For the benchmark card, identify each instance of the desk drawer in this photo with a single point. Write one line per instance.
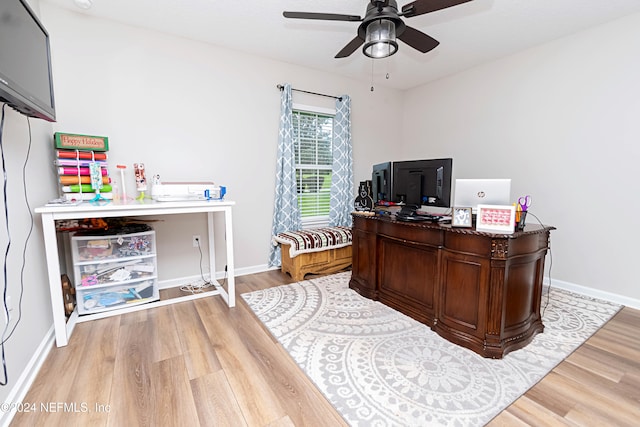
(412, 233)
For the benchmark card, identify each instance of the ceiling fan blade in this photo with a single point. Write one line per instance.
(350, 47)
(420, 7)
(418, 40)
(322, 16)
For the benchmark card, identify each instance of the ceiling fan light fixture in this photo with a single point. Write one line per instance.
(380, 39)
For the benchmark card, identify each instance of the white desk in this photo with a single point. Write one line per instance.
(50, 214)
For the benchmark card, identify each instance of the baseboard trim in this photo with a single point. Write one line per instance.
(584, 290)
(244, 271)
(595, 293)
(28, 376)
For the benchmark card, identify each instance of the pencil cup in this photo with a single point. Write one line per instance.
(520, 223)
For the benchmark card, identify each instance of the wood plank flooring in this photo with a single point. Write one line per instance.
(597, 385)
(201, 363)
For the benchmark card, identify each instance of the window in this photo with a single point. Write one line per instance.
(313, 137)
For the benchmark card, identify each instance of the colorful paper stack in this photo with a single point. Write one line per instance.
(74, 155)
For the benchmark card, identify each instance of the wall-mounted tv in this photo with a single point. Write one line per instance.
(381, 182)
(423, 182)
(26, 82)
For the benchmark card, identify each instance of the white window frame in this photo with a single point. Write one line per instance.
(321, 220)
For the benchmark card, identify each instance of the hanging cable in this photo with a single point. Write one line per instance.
(546, 304)
(198, 286)
(28, 238)
(5, 335)
(6, 253)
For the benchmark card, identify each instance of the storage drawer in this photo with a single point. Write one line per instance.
(96, 248)
(115, 272)
(97, 299)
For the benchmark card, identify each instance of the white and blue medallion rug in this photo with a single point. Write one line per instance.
(379, 367)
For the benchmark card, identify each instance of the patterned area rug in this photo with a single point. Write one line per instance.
(379, 367)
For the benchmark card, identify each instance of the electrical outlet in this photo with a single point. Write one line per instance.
(196, 241)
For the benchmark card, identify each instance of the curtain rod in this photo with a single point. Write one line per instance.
(312, 93)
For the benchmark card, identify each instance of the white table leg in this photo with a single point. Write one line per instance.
(231, 278)
(212, 247)
(55, 285)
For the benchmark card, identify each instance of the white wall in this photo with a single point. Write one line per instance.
(563, 121)
(192, 111)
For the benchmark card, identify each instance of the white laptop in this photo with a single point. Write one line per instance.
(474, 192)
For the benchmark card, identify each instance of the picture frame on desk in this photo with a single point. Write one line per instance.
(462, 217)
(499, 219)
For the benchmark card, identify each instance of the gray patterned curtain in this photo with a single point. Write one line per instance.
(341, 202)
(286, 216)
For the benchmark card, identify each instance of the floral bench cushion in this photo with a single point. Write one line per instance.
(314, 239)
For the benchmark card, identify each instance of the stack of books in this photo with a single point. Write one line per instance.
(74, 156)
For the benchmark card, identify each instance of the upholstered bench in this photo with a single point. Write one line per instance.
(316, 250)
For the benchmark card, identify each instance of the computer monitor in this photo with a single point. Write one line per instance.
(474, 192)
(423, 182)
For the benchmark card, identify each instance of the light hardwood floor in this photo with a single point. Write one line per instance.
(201, 363)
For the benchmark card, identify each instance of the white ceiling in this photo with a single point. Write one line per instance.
(469, 34)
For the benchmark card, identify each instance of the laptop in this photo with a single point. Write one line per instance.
(474, 192)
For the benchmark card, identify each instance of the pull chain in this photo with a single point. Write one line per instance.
(372, 74)
(387, 76)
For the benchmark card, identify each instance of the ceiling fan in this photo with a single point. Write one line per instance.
(381, 26)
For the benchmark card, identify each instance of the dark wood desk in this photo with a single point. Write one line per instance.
(476, 289)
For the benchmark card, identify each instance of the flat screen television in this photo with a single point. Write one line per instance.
(381, 182)
(423, 182)
(26, 82)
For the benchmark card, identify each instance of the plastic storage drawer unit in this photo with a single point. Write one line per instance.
(114, 271)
